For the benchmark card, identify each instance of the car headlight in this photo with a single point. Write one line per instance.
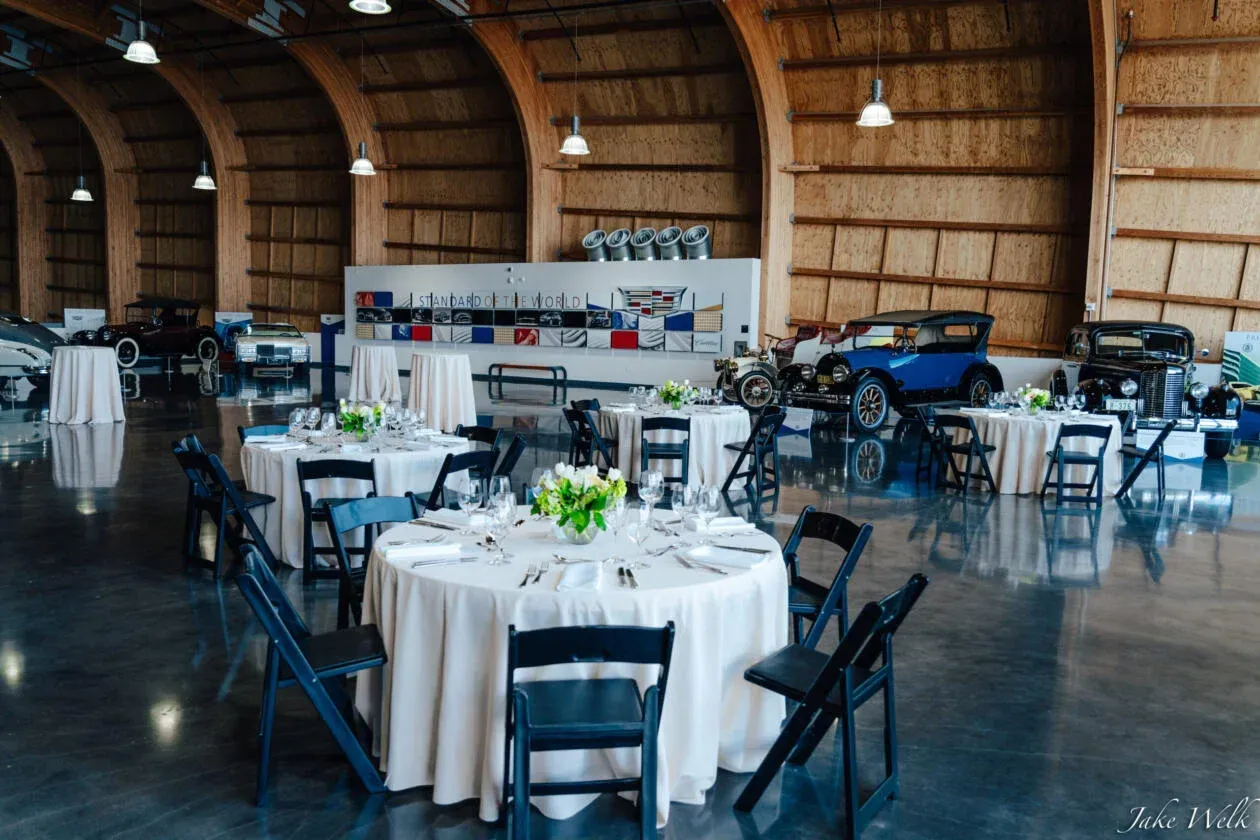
(1128, 387)
(840, 373)
(1198, 390)
(807, 371)
(106, 334)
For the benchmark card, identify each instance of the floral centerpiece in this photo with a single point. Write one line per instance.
(675, 395)
(1033, 399)
(360, 419)
(578, 497)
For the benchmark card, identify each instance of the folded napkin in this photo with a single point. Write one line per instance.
(714, 556)
(402, 549)
(620, 406)
(458, 518)
(448, 439)
(582, 577)
(268, 439)
(352, 448)
(277, 447)
(721, 523)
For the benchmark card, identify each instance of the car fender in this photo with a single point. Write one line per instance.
(988, 369)
(850, 385)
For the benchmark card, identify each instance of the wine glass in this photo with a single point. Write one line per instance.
(651, 489)
(313, 416)
(329, 423)
(470, 498)
(297, 418)
(615, 519)
(638, 528)
(683, 500)
(501, 488)
(498, 523)
(708, 505)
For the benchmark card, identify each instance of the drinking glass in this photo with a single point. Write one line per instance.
(498, 523)
(501, 488)
(651, 489)
(313, 416)
(615, 519)
(329, 423)
(708, 505)
(470, 497)
(638, 528)
(297, 418)
(683, 500)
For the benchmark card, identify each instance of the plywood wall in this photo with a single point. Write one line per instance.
(1187, 196)
(8, 238)
(974, 198)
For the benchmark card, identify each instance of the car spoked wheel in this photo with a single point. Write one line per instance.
(127, 352)
(870, 405)
(868, 460)
(756, 390)
(980, 391)
(207, 349)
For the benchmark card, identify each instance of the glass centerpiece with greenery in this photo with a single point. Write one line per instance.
(675, 395)
(578, 497)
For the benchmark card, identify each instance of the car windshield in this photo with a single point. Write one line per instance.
(1137, 344)
(871, 337)
(274, 330)
(168, 315)
(10, 319)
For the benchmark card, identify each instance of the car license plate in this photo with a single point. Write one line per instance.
(822, 379)
(1120, 405)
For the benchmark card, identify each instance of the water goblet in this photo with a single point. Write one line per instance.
(297, 418)
(638, 528)
(498, 523)
(683, 500)
(501, 488)
(651, 488)
(708, 505)
(313, 416)
(615, 519)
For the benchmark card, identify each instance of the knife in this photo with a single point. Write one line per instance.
(692, 564)
(634, 584)
(426, 523)
(742, 548)
(621, 575)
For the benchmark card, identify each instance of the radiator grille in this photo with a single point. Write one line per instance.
(1162, 392)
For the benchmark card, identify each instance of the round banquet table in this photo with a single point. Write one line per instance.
(374, 374)
(442, 386)
(437, 707)
(85, 387)
(712, 427)
(271, 467)
(1019, 461)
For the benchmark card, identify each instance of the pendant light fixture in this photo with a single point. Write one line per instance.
(80, 185)
(141, 51)
(362, 165)
(575, 143)
(875, 113)
(80, 190)
(370, 7)
(203, 181)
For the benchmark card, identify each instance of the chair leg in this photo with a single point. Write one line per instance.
(890, 737)
(647, 779)
(519, 816)
(1160, 473)
(1045, 482)
(267, 723)
(779, 751)
(852, 795)
(221, 529)
(1058, 490)
(988, 474)
(308, 551)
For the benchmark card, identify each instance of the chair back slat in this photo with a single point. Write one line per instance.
(512, 456)
(604, 643)
(1069, 430)
(478, 464)
(768, 425)
(584, 405)
(269, 588)
(894, 608)
(336, 468)
(374, 511)
(487, 435)
(257, 431)
(667, 424)
(954, 421)
(832, 527)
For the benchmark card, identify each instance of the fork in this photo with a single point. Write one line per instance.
(542, 570)
(530, 572)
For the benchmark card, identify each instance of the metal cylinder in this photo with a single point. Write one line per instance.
(697, 244)
(669, 243)
(618, 243)
(596, 246)
(644, 244)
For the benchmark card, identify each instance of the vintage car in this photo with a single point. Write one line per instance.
(25, 349)
(156, 327)
(272, 345)
(1147, 368)
(872, 365)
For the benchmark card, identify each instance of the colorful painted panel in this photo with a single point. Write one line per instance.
(625, 340)
(402, 332)
(679, 342)
(367, 331)
(652, 340)
(422, 333)
(383, 332)
(464, 335)
(573, 338)
(708, 320)
(482, 335)
(526, 337)
(549, 338)
(504, 335)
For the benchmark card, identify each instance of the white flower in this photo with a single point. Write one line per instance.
(614, 475)
(343, 402)
(365, 411)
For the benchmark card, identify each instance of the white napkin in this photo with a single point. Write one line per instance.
(584, 577)
(277, 447)
(458, 518)
(620, 407)
(720, 523)
(714, 556)
(351, 448)
(405, 550)
(448, 439)
(268, 439)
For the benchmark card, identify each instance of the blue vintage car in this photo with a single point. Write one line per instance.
(896, 360)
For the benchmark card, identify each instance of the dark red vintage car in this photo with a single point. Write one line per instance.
(156, 327)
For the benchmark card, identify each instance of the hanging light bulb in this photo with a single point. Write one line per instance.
(370, 7)
(141, 51)
(204, 181)
(575, 143)
(361, 165)
(81, 191)
(875, 113)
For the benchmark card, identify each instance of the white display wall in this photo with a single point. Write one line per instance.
(615, 322)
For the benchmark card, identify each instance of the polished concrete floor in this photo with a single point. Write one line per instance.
(1045, 690)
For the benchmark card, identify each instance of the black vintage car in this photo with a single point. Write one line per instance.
(1147, 368)
(156, 326)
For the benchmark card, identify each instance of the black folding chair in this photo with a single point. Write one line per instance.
(761, 446)
(368, 514)
(970, 451)
(1065, 458)
(584, 405)
(478, 465)
(652, 450)
(212, 491)
(487, 435)
(580, 443)
(582, 714)
(1063, 543)
(316, 510)
(927, 453)
(807, 599)
(1154, 452)
(513, 455)
(258, 431)
(295, 656)
(831, 688)
(599, 443)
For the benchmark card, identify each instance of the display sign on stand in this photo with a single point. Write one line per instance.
(229, 325)
(77, 320)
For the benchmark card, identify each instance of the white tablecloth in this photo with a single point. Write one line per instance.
(87, 455)
(712, 427)
(442, 385)
(85, 386)
(374, 375)
(274, 472)
(1019, 462)
(437, 708)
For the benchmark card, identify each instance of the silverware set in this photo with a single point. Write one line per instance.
(625, 577)
(535, 571)
(696, 564)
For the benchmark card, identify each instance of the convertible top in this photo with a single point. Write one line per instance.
(911, 317)
(1100, 326)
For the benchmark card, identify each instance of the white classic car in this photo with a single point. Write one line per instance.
(272, 345)
(26, 349)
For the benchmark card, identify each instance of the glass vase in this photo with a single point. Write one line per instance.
(568, 533)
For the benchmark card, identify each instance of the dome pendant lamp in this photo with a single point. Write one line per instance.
(204, 181)
(875, 113)
(141, 51)
(80, 185)
(575, 143)
(370, 7)
(80, 190)
(361, 164)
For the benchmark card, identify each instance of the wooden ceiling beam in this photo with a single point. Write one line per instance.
(556, 33)
(929, 57)
(850, 6)
(629, 73)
